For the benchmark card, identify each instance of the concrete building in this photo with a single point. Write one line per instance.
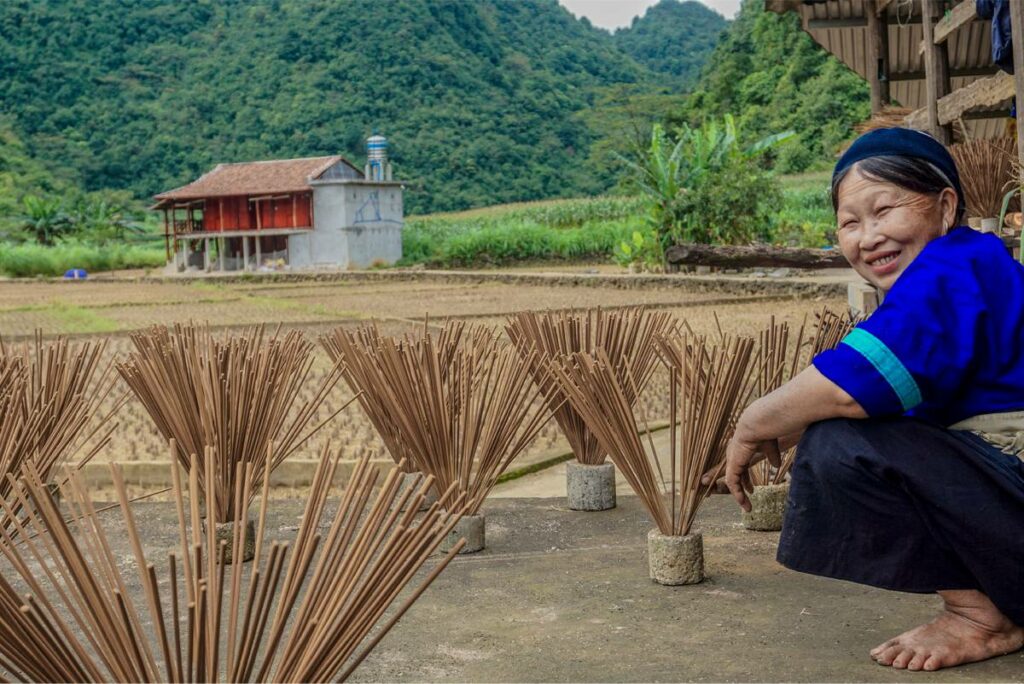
(318, 212)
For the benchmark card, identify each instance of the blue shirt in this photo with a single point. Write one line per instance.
(948, 341)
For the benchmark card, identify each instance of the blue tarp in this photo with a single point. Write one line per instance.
(75, 274)
(1002, 33)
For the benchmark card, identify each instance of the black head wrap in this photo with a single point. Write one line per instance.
(902, 142)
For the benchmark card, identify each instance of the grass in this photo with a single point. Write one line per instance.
(27, 260)
(806, 218)
(77, 319)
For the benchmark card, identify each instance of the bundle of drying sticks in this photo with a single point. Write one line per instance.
(235, 397)
(626, 337)
(51, 394)
(301, 611)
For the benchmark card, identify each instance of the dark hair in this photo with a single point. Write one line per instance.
(909, 173)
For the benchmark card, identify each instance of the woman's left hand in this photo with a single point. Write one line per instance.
(740, 454)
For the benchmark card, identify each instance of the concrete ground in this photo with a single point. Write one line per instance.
(564, 596)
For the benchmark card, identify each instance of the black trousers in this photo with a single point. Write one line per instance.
(906, 505)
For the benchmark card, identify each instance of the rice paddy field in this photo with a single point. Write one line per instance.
(112, 309)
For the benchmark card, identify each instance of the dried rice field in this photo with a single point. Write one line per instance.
(113, 309)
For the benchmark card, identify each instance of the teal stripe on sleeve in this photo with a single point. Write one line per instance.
(886, 363)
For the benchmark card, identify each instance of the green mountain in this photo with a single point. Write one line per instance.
(477, 98)
(773, 77)
(673, 38)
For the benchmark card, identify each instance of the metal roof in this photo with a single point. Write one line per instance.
(969, 49)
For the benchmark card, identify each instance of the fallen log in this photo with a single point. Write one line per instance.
(752, 256)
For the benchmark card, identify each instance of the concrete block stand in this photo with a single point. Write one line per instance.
(415, 480)
(590, 487)
(767, 507)
(675, 560)
(226, 532)
(470, 527)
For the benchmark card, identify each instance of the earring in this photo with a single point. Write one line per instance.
(945, 226)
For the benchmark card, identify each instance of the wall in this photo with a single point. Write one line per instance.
(356, 225)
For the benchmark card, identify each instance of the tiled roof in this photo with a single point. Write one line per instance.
(255, 178)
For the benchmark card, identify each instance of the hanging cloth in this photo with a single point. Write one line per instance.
(1002, 33)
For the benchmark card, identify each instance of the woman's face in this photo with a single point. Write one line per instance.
(882, 227)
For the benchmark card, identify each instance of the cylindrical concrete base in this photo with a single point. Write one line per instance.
(470, 527)
(675, 560)
(590, 487)
(414, 480)
(226, 532)
(767, 507)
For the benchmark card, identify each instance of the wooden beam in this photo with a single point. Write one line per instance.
(966, 72)
(985, 92)
(1017, 22)
(858, 22)
(878, 64)
(962, 14)
(882, 6)
(936, 67)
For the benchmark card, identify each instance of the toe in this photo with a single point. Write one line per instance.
(889, 654)
(902, 659)
(882, 647)
(917, 662)
(932, 663)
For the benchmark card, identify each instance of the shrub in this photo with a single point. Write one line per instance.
(28, 260)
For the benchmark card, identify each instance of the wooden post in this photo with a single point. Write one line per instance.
(220, 254)
(259, 258)
(167, 236)
(206, 254)
(878, 65)
(295, 214)
(1017, 21)
(936, 70)
(259, 223)
(245, 252)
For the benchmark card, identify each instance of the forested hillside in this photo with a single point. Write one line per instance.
(673, 38)
(484, 102)
(773, 77)
(476, 97)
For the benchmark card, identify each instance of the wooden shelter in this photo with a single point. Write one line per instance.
(931, 56)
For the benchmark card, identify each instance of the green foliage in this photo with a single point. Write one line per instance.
(673, 38)
(478, 99)
(44, 219)
(643, 249)
(580, 229)
(774, 77)
(705, 186)
(27, 260)
(806, 218)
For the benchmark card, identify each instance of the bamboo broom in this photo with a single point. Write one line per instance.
(985, 167)
(309, 610)
(627, 338)
(234, 398)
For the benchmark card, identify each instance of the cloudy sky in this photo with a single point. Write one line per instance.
(611, 14)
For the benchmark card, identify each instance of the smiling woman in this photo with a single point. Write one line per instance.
(910, 471)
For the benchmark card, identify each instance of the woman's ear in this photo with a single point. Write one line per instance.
(948, 205)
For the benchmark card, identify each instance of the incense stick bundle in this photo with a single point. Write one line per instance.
(51, 395)
(627, 338)
(236, 395)
(359, 354)
(985, 167)
(456, 405)
(780, 357)
(706, 385)
(304, 611)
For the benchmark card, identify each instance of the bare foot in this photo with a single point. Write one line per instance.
(969, 629)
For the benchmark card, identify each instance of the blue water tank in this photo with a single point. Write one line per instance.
(376, 156)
